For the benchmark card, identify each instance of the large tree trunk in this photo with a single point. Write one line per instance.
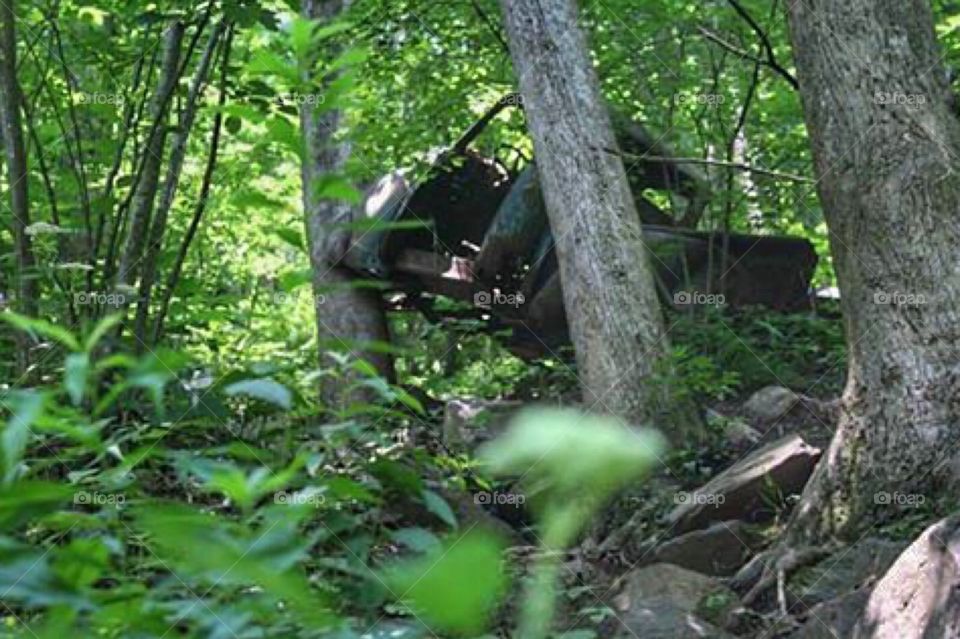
(349, 318)
(885, 148)
(608, 288)
(17, 178)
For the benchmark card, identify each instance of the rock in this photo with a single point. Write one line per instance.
(718, 550)
(660, 619)
(470, 513)
(736, 433)
(771, 403)
(849, 569)
(834, 619)
(919, 596)
(777, 411)
(467, 423)
(739, 491)
(663, 600)
(685, 589)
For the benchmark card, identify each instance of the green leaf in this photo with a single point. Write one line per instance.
(42, 328)
(454, 589)
(267, 63)
(27, 407)
(215, 551)
(101, 329)
(416, 539)
(573, 451)
(264, 389)
(292, 237)
(26, 500)
(439, 507)
(75, 372)
(336, 187)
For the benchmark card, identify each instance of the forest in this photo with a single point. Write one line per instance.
(395, 319)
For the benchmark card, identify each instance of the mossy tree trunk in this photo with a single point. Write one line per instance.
(615, 319)
(886, 148)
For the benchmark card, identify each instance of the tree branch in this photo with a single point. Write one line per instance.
(765, 41)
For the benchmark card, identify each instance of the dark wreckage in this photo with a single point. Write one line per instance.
(476, 230)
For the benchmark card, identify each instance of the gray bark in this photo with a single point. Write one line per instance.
(348, 318)
(206, 184)
(608, 288)
(16, 158)
(178, 153)
(885, 149)
(146, 188)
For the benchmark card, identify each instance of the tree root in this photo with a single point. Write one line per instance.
(773, 567)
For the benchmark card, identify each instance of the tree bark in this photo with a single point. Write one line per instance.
(178, 154)
(609, 294)
(206, 184)
(17, 178)
(149, 178)
(348, 317)
(885, 149)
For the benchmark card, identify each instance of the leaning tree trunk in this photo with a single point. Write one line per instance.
(17, 177)
(608, 288)
(885, 149)
(349, 318)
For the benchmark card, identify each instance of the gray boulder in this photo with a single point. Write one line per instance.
(919, 596)
(664, 600)
(739, 492)
(718, 550)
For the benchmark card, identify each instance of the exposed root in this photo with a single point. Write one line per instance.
(773, 567)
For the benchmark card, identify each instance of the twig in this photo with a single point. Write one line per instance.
(739, 166)
(765, 41)
(490, 25)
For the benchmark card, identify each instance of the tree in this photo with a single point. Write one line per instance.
(149, 178)
(609, 294)
(348, 316)
(886, 156)
(17, 178)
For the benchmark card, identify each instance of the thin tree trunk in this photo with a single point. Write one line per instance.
(349, 317)
(178, 153)
(885, 149)
(608, 288)
(173, 278)
(147, 184)
(10, 120)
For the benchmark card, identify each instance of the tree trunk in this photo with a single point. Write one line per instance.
(348, 318)
(149, 178)
(206, 184)
(608, 288)
(17, 178)
(885, 148)
(178, 154)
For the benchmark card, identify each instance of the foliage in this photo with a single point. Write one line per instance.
(191, 483)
